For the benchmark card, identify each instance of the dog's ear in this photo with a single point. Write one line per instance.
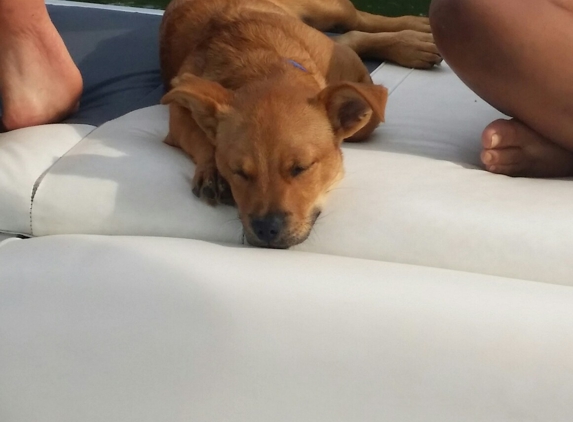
(207, 100)
(351, 106)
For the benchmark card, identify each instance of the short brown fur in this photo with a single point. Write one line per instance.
(261, 102)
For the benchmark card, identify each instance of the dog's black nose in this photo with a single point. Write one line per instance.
(268, 227)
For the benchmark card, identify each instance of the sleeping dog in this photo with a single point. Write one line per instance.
(261, 100)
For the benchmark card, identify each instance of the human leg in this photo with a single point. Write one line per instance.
(515, 54)
(39, 82)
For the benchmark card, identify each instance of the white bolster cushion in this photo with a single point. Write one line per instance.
(25, 155)
(122, 179)
(114, 329)
(415, 193)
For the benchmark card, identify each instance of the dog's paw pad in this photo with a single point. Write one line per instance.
(225, 193)
(197, 191)
(208, 191)
(210, 187)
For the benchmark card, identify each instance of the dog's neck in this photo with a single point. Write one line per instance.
(258, 66)
(246, 51)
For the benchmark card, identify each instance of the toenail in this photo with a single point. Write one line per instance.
(487, 158)
(495, 140)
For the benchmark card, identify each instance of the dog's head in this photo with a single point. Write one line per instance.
(279, 146)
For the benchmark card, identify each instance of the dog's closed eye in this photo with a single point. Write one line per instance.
(298, 169)
(241, 173)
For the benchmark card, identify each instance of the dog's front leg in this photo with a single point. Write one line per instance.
(184, 133)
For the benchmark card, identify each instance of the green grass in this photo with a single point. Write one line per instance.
(388, 7)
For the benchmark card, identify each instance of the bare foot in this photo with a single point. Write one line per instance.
(513, 149)
(39, 82)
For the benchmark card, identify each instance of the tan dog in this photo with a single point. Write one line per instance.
(261, 100)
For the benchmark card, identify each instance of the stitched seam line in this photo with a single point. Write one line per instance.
(45, 172)
(400, 82)
(34, 190)
(379, 68)
(375, 71)
(12, 233)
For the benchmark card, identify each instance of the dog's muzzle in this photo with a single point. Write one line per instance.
(269, 230)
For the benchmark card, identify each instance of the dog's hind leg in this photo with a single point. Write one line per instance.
(406, 48)
(406, 40)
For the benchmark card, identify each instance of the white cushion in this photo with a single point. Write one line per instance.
(5, 237)
(122, 179)
(415, 193)
(25, 155)
(115, 329)
(416, 210)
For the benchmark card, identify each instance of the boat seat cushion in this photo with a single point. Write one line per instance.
(155, 329)
(414, 193)
(25, 157)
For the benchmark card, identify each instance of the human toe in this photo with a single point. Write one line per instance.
(499, 134)
(506, 156)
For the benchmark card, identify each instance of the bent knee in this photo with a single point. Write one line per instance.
(452, 19)
(460, 26)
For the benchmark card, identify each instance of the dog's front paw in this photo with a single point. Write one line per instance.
(225, 195)
(211, 187)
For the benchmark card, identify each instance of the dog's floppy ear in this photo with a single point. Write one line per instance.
(207, 100)
(351, 106)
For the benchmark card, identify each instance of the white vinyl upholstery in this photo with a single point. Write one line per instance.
(353, 324)
(122, 179)
(4, 237)
(112, 328)
(414, 193)
(428, 291)
(25, 155)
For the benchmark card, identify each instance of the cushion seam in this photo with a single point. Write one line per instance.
(377, 69)
(395, 87)
(38, 181)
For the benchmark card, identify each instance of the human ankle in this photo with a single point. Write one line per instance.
(22, 19)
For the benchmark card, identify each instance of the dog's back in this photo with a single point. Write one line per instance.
(256, 106)
(231, 41)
